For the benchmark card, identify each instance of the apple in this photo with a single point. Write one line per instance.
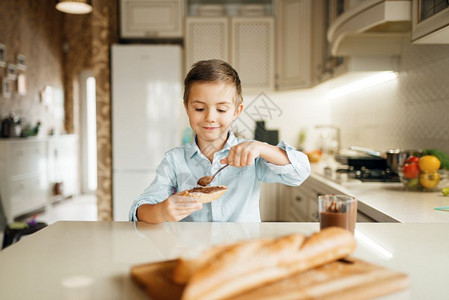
(410, 170)
(429, 180)
(412, 159)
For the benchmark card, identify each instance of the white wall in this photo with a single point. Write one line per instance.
(290, 113)
(411, 112)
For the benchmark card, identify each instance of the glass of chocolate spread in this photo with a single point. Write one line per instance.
(337, 210)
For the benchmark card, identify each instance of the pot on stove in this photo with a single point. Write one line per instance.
(393, 158)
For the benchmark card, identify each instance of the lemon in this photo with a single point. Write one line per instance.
(429, 163)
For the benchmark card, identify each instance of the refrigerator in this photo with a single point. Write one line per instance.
(147, 116)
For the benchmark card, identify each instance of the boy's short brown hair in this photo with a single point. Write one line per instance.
(214, 70)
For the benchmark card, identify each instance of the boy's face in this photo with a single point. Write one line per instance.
(211, 110)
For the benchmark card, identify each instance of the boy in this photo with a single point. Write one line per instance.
(213, 100)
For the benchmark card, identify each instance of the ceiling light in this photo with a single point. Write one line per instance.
(360, 84)
(77, 7)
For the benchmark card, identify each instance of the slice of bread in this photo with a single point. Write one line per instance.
(206, 193)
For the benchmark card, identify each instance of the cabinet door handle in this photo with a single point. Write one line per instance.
(298, 198)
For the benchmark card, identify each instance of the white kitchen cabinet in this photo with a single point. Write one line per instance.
(30, 167)
(282, 204)
(292, 205)
(331, 66)
(252, 52)
(303, 200)
(62, 162)
(247, 43)
(206, 38)
(319, 44)
(314, 189)
(23, 176)
(293, 43)
(300, 204)
(430, 22)
(269, 195)
(303, 56)
(298, 207)
(151, 18)
(323, 66)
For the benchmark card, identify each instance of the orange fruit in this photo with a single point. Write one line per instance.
(314, 156)
(429, 163)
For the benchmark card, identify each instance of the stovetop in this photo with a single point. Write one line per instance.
(371, 175)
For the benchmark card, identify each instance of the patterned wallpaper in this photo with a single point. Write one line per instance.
(77, 53)
(103, 35)
(32, 29)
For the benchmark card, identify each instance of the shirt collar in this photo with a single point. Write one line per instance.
(230, 142)
(194, 149)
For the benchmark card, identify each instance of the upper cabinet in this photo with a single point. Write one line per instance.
(343, 49)
(151, 18)
(293, 47)
(242, 35)
(252, 52)
(206, 38)
(430, 21)
(288, 44)
(322, 64)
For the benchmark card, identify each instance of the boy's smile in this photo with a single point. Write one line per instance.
(211, 110)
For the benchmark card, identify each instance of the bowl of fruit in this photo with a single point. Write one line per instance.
(423, 171)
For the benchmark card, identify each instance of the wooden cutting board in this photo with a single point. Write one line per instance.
(343, 279)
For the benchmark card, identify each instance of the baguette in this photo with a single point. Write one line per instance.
(186, 267)
(206, 194)
(247, 265)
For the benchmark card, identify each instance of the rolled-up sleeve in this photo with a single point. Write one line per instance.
(159, 190)
(292, 174)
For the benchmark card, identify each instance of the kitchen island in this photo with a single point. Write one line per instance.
(92, 260)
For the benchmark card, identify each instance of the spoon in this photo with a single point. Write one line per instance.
(442, 208)
(203, 181)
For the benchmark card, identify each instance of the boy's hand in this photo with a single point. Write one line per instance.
(177, 207)
(244, 154)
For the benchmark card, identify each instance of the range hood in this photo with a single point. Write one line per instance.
(372, 27)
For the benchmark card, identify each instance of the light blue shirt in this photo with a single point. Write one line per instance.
(183, 166)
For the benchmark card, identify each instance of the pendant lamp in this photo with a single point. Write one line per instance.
(77, 7)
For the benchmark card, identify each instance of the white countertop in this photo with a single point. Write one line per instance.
(390, 202)
(92, 260)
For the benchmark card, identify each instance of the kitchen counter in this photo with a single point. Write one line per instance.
(92, 260)
(389, 202)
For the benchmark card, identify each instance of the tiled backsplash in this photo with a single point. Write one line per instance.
(410, 112)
